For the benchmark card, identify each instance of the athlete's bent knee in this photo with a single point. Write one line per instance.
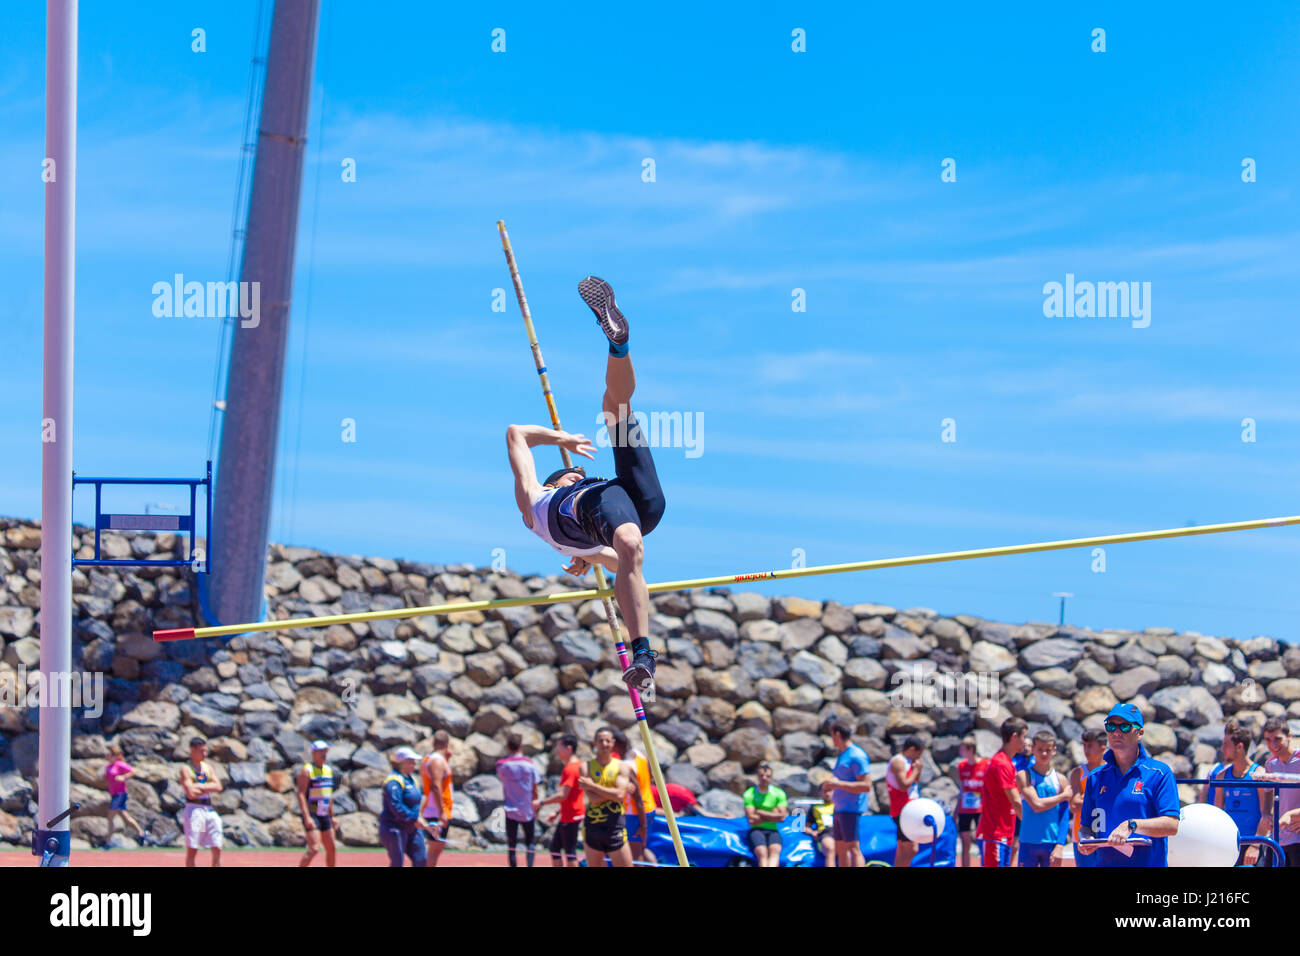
(628, 543)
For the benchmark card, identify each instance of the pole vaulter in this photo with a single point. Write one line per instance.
(611, 616)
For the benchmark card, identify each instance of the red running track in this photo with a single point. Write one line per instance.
(241, 857)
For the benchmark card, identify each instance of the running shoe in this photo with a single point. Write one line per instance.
(600, 297)
(640, 676)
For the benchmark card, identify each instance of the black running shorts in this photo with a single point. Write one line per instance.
(606, 836)
(633, 496)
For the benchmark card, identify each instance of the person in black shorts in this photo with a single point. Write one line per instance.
(316, 785)
(598, 519)
(605, 780)
(570, 798)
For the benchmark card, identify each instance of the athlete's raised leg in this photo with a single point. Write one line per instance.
(620, 383)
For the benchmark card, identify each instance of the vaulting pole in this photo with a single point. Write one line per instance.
(693, 584)
(637, 708)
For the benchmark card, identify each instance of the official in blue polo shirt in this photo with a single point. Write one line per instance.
(1130, 794)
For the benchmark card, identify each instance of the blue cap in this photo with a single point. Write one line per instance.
(1126, 712)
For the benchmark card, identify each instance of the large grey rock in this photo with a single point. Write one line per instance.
(1134, 654)
(1217, 678)
(1098, 699)
(1286, 690)
(683, 733)
(445, 713)
(540, 681)
(951, 635)
(1000, 634)
(249, 773)
(16, 621)
(685, 775)
(577, 647)
(806, 667)
(1046, 707)
(989, 658)
(23, 653)
(504, 693)
(209, 720)
(1193, 706)
(786, 720)
(152, 713)
(707, 625)
(1136, 680)
(899, 644)
(832, 649)
(559, 618)
(1053, 652)
(748, 746)
(721, 803)
(801, 748)
(486, 792)
(263, 804)
(759, 660)
(1173, 669)
(1213, 649)
(1055, 680)
(715, 716)
(749, 606)
(800, 634)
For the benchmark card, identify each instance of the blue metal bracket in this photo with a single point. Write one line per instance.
(54, 847)
(181, 524)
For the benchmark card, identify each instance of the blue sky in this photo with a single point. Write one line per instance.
(774, 171)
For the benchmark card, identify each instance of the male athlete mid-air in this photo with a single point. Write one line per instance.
(598, 519)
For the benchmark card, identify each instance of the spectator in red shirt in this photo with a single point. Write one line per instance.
(970, 775)
(1001, 798)
(571, 800)
(681, 798)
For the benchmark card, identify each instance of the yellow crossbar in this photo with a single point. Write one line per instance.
(691, 584)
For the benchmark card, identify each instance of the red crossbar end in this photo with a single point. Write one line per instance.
(174, 634)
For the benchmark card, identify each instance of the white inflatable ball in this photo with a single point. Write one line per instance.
(1206, 836)
(912, 819)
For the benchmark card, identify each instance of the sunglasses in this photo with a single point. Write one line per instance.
(1124, 728)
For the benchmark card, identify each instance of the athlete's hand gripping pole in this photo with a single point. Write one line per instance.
(610, 615)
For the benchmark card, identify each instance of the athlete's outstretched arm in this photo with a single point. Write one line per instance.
(519, 439)
(523, 466)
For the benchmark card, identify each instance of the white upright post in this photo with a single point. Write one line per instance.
(60, 178)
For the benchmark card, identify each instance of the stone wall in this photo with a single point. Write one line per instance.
(743, 677)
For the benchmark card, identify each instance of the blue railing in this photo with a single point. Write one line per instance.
(180, 524)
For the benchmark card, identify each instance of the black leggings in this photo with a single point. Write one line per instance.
(633, 496)
(512, 832)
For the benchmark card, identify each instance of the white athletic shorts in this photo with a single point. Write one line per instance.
(202, 827)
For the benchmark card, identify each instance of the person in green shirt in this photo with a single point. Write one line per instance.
(765, 808)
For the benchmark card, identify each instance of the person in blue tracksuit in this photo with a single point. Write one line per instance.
(1130, 794)
(401, 830)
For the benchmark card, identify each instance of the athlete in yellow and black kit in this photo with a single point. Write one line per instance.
(605, 780)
